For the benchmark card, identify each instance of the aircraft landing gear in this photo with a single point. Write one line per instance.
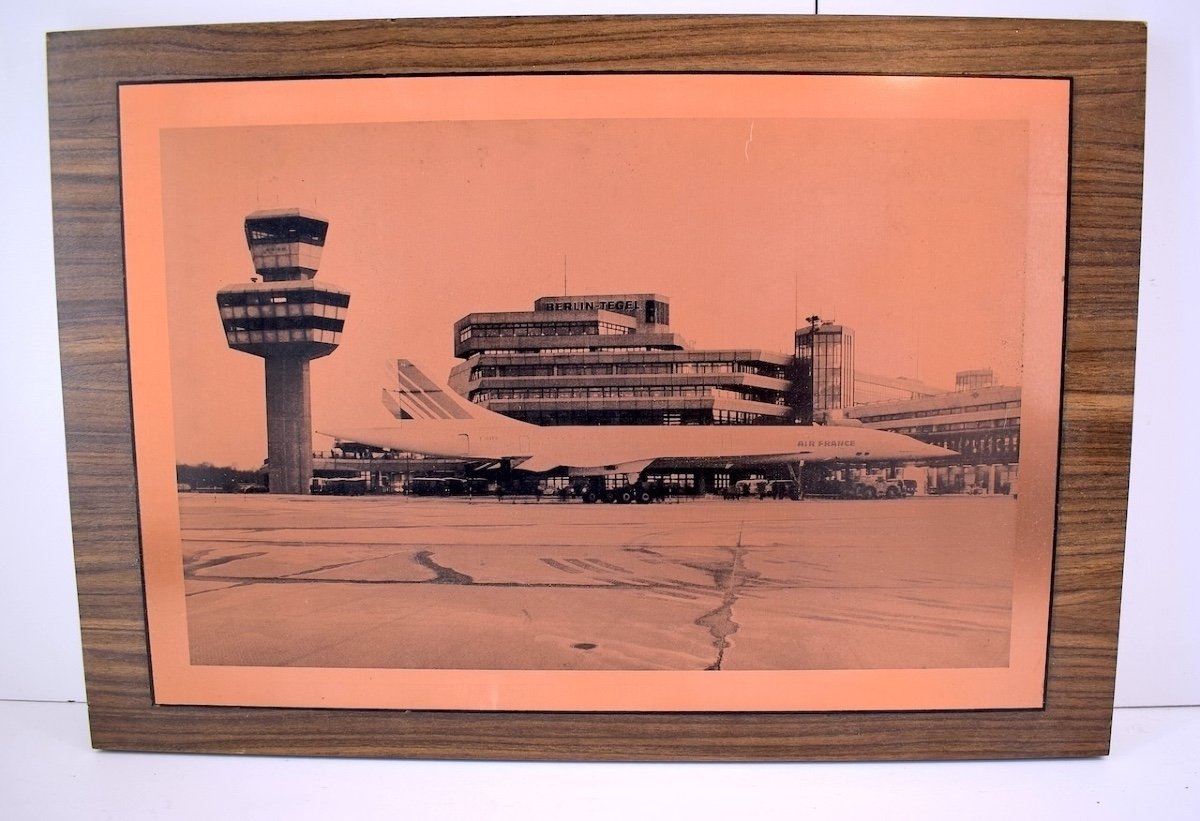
(626, 495)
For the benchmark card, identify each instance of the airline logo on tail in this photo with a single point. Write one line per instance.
(418, 397)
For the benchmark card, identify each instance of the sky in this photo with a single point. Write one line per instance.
(910, 229)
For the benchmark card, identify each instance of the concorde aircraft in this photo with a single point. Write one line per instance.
(435, 421)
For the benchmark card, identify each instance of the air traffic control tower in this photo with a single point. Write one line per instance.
(288, 319)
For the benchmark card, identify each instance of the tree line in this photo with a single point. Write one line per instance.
(214, 477)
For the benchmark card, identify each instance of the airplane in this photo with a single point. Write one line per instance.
(435, 421)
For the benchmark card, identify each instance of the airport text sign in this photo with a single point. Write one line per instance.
(621, 306)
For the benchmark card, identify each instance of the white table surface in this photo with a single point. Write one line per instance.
(48, 770)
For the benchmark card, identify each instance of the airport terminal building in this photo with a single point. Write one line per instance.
(614, 359)
(979, 419)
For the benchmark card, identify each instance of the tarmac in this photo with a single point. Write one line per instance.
(432, 583)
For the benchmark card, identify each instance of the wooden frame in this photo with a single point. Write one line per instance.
(1106, 65)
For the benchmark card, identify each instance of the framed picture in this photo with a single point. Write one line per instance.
(541, 389)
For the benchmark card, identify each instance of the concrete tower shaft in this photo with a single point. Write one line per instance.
(289, 424)
(288, 320)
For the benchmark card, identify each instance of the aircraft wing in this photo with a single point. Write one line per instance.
(537, 464)
(630, 462)
(633, 457)
(728, 461)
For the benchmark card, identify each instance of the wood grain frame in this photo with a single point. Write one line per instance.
(1106, 64)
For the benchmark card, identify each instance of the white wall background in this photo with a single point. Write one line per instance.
(1159, 660)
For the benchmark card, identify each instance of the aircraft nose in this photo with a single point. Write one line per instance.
(937, 450)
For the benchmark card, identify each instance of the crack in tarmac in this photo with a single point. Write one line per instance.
(443, 575)
(190, 569)
(670, 587)
(719, 622)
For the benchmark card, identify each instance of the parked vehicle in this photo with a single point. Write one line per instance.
(783, 489)
(751, 487)
(248, 487)
(338, 486)
(878, 487)
(446, 486)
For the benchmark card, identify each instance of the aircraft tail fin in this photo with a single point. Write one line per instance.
(416, 396)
